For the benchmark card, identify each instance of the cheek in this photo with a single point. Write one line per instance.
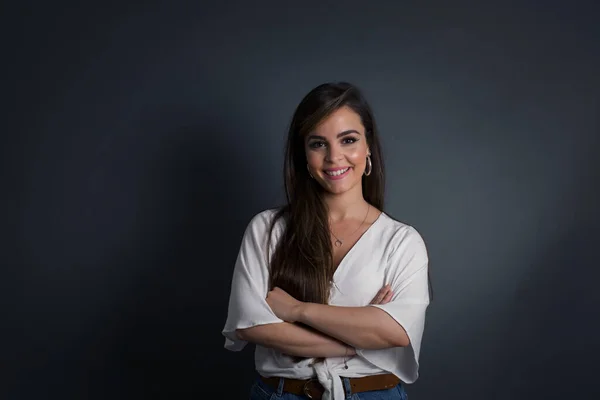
(314, 159)
(357, 156)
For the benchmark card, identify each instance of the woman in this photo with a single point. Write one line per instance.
(331, 289)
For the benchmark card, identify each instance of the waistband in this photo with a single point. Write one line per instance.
(314, 390)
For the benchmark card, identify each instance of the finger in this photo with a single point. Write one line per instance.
(388, 297)
(381, 295)
(378, 296)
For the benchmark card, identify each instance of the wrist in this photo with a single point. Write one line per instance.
(300, 313)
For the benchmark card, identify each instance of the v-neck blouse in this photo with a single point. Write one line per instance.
(348, 254)
(389, 252)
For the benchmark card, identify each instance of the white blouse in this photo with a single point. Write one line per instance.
(388, 252)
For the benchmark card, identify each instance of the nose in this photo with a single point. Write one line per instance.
(334, 153)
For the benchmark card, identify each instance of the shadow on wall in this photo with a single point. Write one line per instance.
(540, 340)
(552, 343)
(197, 200)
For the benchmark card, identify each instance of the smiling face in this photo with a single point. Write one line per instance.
(336, 152)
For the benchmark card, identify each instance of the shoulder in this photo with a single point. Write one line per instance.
(261, 222)
(402, 237)
(264, 218)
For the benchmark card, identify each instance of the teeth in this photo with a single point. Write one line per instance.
(336, 173)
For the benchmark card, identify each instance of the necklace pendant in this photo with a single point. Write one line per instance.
(338, 243)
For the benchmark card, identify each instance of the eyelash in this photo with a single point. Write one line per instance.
(314, 145)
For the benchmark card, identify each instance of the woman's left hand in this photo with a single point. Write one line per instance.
(283, 305)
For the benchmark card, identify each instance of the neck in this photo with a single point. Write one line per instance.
(347, 205)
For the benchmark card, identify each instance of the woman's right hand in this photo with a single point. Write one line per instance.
(383, 296)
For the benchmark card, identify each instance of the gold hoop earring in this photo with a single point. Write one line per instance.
(370, 165)
(308, 169)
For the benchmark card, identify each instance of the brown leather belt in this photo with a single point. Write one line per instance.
(314, 390)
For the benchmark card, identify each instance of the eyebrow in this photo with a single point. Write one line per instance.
(339, 135)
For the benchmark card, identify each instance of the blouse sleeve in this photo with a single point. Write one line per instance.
(247, 301)
(408, 266)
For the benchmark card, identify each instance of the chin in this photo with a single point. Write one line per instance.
(340, 186)
(337, 189)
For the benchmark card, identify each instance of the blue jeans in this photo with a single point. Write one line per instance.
(262, 391)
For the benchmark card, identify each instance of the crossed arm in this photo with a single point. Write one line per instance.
(317, 330)
(296, 340)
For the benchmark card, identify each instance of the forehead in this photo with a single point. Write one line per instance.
(340, 120)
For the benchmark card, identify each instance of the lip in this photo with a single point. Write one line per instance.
(336, 169)
(337, 177)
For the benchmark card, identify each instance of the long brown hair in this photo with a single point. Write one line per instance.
(302, 263)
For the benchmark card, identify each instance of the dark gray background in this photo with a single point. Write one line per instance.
(138, 141)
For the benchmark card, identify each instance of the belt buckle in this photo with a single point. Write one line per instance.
(313, 385)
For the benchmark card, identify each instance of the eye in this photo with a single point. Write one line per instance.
(316, 144)
(349, 140)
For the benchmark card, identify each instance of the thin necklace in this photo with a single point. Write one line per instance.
(338, 241)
